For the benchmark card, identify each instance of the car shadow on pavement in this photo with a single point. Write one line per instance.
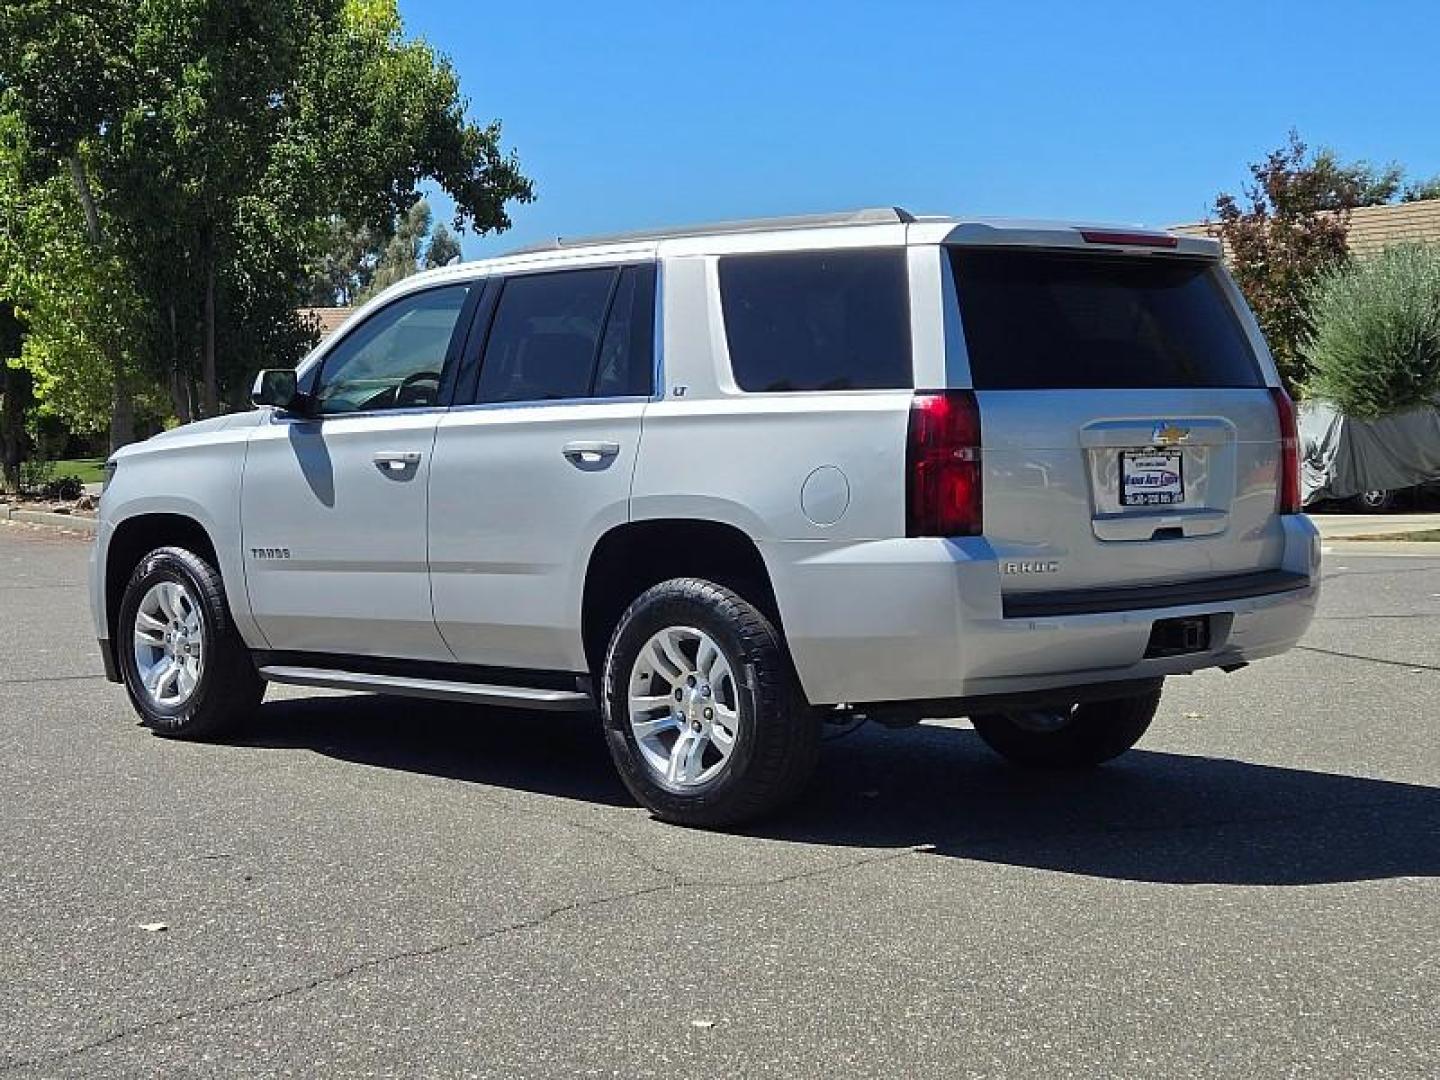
(1149, 816)
(547, 753)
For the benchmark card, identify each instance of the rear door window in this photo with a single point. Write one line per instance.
(1054, 320)
(819, 320)
(571, 334)
(545, 336)
(627, 352)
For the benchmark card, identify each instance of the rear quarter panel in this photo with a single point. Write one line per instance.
(713, 452)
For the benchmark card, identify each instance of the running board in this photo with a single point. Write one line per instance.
(513, 697)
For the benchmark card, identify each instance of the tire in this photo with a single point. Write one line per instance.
(1374, 502)
(723, 754)
(1080, 737)
(174, 600)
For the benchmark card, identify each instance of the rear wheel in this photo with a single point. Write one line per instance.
(1375, 502)
(1078, 737)
(188, 673)
(702, 715)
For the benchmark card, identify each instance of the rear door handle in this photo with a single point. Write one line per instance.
(396, 460)
(589, 453)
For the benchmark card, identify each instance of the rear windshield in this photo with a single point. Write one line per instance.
(1051, 320)
(818, 320)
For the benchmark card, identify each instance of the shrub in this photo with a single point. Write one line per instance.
(1374, 346)
(66, 488)
(35, 474)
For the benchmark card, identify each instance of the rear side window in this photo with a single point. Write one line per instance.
(822, 320)
(1052, 320)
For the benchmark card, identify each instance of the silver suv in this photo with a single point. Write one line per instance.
(730, 484)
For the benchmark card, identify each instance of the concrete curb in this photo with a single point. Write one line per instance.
(74, 522)
(1414, 548)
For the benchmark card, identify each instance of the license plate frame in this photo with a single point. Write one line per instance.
(1153, 476)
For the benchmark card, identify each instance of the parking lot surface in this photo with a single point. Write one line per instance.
(362, 886)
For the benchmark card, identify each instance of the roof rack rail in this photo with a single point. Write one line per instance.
(873, 216)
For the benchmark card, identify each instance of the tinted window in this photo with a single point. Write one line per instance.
(394, 358)
(545, 336)
(627, 355)
(1051, 320)
(831, 320)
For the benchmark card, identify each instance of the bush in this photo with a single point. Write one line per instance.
(35, 475)
(1374, 346)
(66, 488)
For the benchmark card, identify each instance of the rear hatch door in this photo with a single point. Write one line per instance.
(1129, 438)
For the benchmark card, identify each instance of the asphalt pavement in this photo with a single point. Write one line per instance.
(358, 886)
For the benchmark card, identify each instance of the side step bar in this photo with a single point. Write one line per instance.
(513, 697)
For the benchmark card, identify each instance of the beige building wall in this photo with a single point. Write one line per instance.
(1373, 228)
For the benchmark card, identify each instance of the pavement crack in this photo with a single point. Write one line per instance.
(49, 679)
(630, 849)
(672, 882)
(1412, 664)
(359, 967)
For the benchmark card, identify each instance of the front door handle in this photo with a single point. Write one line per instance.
(396, 460)
(590, 453)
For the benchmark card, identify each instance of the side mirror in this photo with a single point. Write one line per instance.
(277, 388)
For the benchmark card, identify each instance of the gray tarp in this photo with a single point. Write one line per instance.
(1343, 457)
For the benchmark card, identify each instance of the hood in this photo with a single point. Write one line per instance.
(250, 418)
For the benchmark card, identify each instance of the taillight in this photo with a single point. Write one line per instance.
(942, 464)
(1289, 452)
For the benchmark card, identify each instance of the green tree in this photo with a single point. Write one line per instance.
(1375, 345)
(1289, 230)
(73, 300)
(16, 395)
(400, 257)
(211, 142)
(345, 263)
(444, 247)
(1421, 189)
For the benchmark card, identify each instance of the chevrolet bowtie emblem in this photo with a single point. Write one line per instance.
(1170, 434)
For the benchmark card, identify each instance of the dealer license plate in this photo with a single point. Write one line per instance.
(1151, 478)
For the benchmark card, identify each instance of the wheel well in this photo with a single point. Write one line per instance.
(138, 536)
(631, 558)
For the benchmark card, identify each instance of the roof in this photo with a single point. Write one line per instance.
(326, 319)
(885, 215)
(1372, 228)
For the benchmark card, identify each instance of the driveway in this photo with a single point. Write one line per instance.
(369, 887)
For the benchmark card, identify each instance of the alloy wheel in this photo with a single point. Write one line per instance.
(169, 644)
(684, 707)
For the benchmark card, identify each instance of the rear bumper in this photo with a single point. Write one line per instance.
(910, 620)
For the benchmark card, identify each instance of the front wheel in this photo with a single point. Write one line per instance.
(703, 717)
(1080, 736)
(188, 673)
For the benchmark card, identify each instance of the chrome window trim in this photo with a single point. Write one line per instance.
(629, 399)
(279, 415)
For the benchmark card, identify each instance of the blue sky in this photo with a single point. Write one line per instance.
(630, 115)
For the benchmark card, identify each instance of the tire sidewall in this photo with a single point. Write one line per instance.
(646, 617)
(158, 566)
